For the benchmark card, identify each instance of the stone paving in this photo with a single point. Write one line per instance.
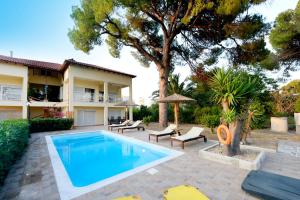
(32, 176)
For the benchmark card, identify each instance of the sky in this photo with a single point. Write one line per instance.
(36, 29)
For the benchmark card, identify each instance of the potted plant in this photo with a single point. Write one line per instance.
(279, 122)
(297, 115)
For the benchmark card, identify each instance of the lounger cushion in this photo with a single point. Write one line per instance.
(169, 129)
(184, 192)
(271, 186)
(193, 133)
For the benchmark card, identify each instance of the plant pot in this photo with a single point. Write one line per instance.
(297, 118)
(297, 122)
(279, 124)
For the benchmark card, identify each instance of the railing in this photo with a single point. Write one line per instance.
(10, 93)
(90, 97)
(84, 97)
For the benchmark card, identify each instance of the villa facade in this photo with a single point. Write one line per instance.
(88, 93)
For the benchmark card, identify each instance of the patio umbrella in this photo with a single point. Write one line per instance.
(176, 99)
(126, 104)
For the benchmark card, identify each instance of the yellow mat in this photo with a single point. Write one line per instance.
(184, 192)
(129, 198)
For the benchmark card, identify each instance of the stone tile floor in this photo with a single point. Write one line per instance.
(32, 176)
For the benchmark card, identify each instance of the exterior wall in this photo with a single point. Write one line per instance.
(99, 114)
(18, 75)
(36, 112)
(12, 112)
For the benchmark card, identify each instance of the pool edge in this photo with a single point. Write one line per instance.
(68, 191)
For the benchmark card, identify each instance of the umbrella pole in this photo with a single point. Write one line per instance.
(176, 112)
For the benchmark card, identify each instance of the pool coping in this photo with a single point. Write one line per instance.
(64, 184)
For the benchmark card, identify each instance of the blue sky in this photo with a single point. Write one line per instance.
(37, 29)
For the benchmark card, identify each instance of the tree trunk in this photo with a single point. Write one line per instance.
(235, 129)
(163, 107)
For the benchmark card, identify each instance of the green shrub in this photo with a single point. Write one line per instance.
(187, 114)
(50, 124)
(297, 106)
(208, 116)
(210, 121)
(280, 114)
(147, 120)
(259, 115)
(13, 141)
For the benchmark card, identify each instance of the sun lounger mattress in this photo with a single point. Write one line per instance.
(271, 186)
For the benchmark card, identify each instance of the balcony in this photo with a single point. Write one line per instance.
(84, 97)
(10, 93)
(44, 93)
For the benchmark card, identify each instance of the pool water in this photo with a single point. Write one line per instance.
(95, 156)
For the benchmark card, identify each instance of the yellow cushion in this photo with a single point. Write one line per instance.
(129, 198)
(184, 192)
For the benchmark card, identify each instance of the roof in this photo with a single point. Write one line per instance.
(31, 63)
(175, 98)
(74, 62)
(56, 66)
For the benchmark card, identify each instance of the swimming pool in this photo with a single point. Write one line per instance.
(86, 161)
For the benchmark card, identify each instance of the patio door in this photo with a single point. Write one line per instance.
(86, 117)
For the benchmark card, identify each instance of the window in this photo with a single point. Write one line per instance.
(10, 92)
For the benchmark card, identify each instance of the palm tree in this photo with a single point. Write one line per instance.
(175, 86)
(233, 90)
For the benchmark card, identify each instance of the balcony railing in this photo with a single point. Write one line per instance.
(10, 93)
(90, 97)
(84, 97)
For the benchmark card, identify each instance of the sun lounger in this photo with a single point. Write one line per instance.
(128, 198)
(266, 185)
(184, 192)
(167, 131)
(135, 125)
(193, 134)
(125, 123)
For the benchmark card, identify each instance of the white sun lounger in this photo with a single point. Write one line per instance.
(125, 123)
(193, 134)
(135, 125)
(170, 130)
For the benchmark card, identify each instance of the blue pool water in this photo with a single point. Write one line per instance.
(95, 156)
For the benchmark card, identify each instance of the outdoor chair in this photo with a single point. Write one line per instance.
(135, 125)
(125, 123)
(170, 130)
(194, 133)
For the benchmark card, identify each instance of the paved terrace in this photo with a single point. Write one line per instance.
(32, 176)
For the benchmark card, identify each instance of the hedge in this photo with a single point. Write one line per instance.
(13, 140)
(50, 124)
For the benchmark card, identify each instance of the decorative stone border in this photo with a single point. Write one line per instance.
(243, 164)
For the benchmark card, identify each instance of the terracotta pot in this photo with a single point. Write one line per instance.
(279, 124)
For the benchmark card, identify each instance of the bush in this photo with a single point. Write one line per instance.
(210, 121)
(208, 116)
(147, 120)
(200, 112)
(297, 106)
(259, 116)
(50, 124)
(187, 114)
(141, 112)
(13, 141)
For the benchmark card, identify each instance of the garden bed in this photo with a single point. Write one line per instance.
(250, 158)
